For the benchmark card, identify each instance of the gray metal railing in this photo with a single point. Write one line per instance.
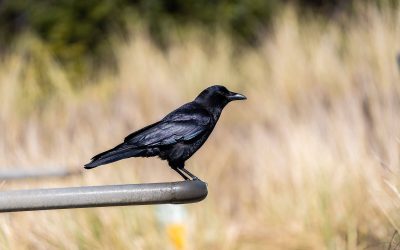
(103, 196)
(18, 173)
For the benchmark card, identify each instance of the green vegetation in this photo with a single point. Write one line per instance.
(80, 33)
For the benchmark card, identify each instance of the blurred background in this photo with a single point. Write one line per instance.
(310, 161)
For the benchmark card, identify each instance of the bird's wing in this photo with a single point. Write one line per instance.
(174, 128)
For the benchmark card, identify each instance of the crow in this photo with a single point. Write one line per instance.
(177, 136)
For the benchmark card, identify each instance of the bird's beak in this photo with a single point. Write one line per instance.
(235, 96)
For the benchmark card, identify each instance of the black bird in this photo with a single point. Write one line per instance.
(177, 136)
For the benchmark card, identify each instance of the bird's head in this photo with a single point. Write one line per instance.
(217, 96)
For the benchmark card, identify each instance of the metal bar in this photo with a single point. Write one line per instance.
(35, 173)
(398, 60)
(103, 196)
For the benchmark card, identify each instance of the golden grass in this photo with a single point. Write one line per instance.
(309, 161)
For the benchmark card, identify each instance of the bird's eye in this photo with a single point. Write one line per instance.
(221, 93)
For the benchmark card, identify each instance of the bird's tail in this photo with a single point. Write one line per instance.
(119, 152)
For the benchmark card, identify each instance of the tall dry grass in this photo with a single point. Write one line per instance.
(309, 161)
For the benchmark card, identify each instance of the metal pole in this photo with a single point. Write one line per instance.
(103, 196)
(36, 173)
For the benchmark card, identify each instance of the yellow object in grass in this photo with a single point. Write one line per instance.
(177, 234)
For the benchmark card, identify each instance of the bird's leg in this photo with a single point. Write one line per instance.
(190, 174)
(181, 174)
(179, 167)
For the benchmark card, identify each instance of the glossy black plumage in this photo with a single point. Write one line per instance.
(177, 136)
